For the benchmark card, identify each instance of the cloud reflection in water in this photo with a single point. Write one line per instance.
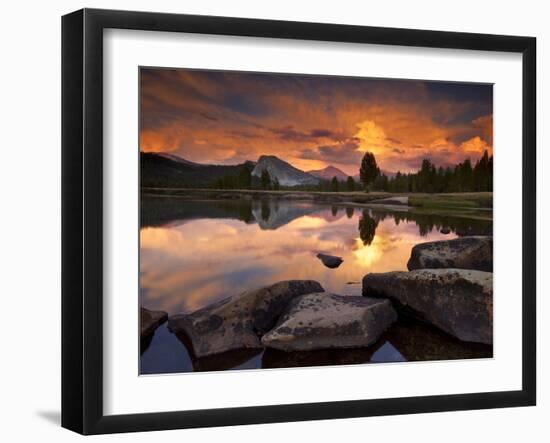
(185, 266)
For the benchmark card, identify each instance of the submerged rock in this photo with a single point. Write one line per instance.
(275, 358)
(234, 359)
(418, 341)
(462, 253)
(323, 321)
(149, 321)
(238, 322)
(457, 301)
(476, 229)
(330, 261)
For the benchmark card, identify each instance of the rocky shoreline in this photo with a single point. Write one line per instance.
(449, 286)
(253, 194)
(401, 200)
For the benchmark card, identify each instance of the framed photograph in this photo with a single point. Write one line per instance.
(269, 221)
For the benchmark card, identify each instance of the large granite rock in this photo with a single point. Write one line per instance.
(323, 321)
(458, 301)
(240, 321)
(462, 253)
(149, 321)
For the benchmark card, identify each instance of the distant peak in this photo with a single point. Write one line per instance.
(284, 172)
(329, 172)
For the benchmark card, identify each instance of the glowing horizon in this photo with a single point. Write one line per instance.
(224, 117)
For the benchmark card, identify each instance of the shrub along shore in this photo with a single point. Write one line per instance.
(459, 200)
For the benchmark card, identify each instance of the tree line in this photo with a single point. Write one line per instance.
(245, 180)
(463, 177)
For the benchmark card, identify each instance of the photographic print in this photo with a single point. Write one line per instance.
(291, 220)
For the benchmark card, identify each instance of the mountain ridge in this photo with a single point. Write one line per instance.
(164, 171)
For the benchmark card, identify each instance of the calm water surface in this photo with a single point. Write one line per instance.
(196, 252)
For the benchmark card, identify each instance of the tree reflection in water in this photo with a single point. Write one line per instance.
(266, 211)
(161, 211)
(367, 227)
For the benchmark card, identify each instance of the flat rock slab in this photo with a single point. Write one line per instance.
(330, 261)
(240, 321)
(325, 321)
(403, 201)
(462, 253)
(457, 301)
(149, 321)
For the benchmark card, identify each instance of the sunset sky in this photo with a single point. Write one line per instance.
(224, 117)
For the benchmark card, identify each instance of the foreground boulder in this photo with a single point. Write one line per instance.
(323, 321)
(238, 322)
(462, 253)
(458, 301)
(330, 261)
(149, 321)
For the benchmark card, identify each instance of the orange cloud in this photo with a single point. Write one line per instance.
(485, 124)
(475, 146)
(311, 121)
(157, 141)
(372, 138)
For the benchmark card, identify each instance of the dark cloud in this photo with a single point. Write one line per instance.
(393, 140)
(322, 133)
(247, 105)
(208, 117)
(290, 134)
(460, 91)
(243, 134)
(343, 153)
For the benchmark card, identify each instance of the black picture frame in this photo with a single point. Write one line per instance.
(82, 220)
